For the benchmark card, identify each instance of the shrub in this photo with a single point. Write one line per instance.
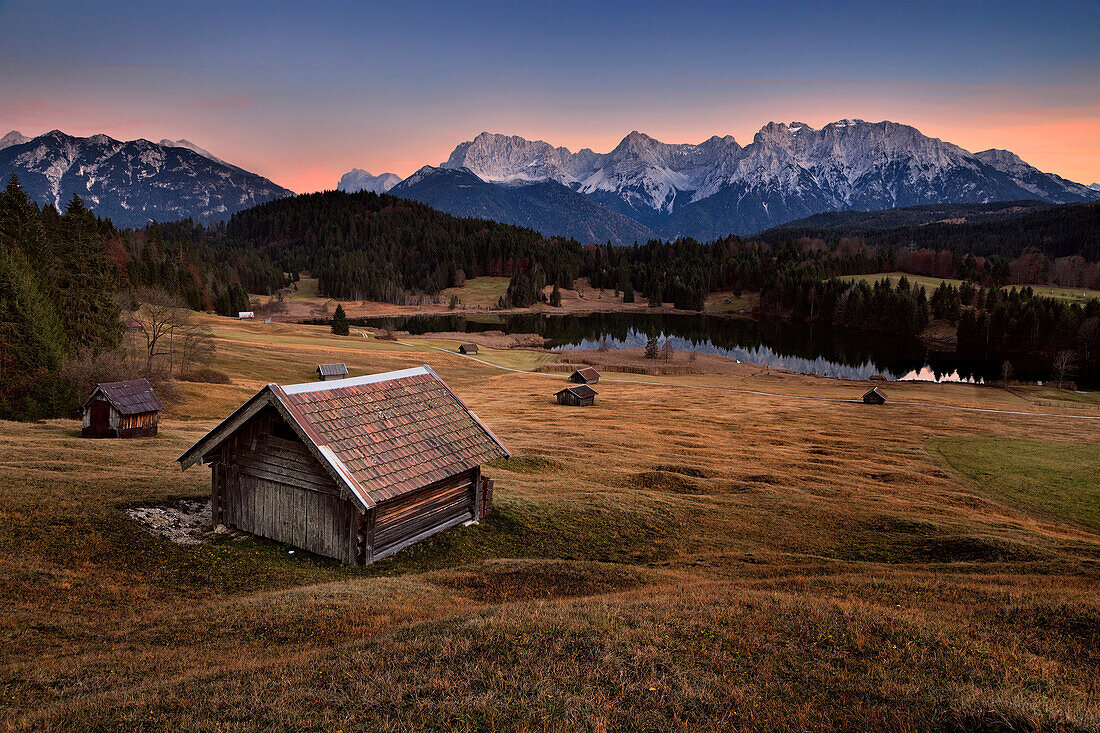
(204, 376)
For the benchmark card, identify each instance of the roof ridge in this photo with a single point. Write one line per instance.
(293, 389)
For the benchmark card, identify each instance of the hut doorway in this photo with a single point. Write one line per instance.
(101, 417)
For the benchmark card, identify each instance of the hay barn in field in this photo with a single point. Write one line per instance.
(467, 349)
(875, 397)
(121, 410)
(586, 375)
(579, 396)
(326, 372)
(354, 469)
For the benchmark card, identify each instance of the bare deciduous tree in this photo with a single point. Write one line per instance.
(170, 331)
(157, 315)
(1064, 365)
(667, 350)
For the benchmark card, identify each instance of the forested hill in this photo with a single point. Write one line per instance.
(367, 245)
(1055, 231)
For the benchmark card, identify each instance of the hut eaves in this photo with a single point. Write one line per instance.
(379, 436)
(133, 397)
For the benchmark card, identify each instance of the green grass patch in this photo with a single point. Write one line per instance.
(1056, 479)
(525, 464)
(483, 291)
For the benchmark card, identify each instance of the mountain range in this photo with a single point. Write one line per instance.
(646, 188)
(642, 189)
(132, 182)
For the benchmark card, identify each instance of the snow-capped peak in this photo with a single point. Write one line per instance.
(358, 179)
(640, 172)
(132, 182)
(13, 138)
(185, 143)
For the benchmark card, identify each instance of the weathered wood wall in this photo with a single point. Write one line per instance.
(273, 487)
(407, 519)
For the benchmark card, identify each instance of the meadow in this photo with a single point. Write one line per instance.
(1073, 295)
(749, 550)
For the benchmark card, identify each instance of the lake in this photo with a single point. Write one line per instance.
(801, 348)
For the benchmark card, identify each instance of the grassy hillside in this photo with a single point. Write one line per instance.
(673, 558)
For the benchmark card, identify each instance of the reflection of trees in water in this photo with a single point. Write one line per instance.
(780, 344)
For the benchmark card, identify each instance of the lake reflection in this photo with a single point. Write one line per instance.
(847, 354)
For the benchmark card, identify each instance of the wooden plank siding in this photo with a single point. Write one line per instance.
(273, 487)
(410, 518)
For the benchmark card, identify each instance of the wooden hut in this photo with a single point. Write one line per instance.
(467, 349)
(585, 375)
(875, 397)
(326, 372)
(355, 469)
(121, 410)
(580, 395)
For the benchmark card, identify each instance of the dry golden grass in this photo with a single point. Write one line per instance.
(671, 558)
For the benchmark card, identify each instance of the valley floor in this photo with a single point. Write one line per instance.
(704, 551)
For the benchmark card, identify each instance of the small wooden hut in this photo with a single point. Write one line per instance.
(875, 397)
(121, 410)
(355, 469)
(326, 372)
(580, 395)
(467, 349)
(585, 375)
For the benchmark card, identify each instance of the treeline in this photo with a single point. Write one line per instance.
(1016, 321)
(1060, 231)
(57, 290)
(797, 294)
(684, 272)
(987, 320)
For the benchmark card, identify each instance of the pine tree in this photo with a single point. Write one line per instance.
(555, 296)
(340, 322)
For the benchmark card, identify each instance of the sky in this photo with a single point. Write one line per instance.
(301, 92)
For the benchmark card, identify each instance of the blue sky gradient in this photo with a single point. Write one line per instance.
(302, 92)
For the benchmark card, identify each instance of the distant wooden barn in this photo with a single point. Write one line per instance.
(467, 349)
(331, 371)
(586, 375)
(875, 397)
(580, 395)
(355, 469)
(121, 410)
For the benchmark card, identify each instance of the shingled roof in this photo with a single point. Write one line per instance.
(130, 398)
(585, 374)
(581, 390)
(380, 436)
(332, 370)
